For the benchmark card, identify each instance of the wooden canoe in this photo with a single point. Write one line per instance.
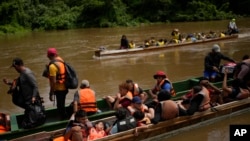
(53, 122)
(180, 122)
(105, 52)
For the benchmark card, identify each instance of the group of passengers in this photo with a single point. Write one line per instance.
(133, 111)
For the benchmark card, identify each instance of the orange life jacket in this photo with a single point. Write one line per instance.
(4, 123)
(60, 77)
(142, 108)
(93, 134)
(166, 80)
(205, 104)
(87, 100)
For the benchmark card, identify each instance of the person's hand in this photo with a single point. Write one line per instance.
(33, 99)
(226, 71)
(51, 96)
(215, 69)
(5, 81)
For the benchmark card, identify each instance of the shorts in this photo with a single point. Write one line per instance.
(210, 74)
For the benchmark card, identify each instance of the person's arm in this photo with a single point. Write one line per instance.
(243, 72)
(195, 104)
(32, 81)
(224, 83)
(226, 58)
(52, 79)
(75, 102)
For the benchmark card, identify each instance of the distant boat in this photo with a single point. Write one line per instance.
(101, 52)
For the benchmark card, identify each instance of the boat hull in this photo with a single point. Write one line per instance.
(53, 123)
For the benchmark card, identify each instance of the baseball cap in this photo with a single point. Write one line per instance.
(136, 100)
(159, 73)
(51, 52)
(85, 83)
(17, 62)
(216, 48)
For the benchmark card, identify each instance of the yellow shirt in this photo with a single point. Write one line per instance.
(52, 72)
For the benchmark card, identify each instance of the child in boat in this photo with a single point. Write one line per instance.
(124, 121)
(137, 105)
(98, 131)
(78, 129)
(122, 99)
(142, 121)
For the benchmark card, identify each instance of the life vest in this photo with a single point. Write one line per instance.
(131, 45)
(158, 87)
(93, 134)
(60, 77)
(126, 124)
(136, 90)
(133, 109)
(4, 123)
(205, 104)
(87, 100)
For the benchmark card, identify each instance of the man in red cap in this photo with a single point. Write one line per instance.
(57, 80)
(162, 83)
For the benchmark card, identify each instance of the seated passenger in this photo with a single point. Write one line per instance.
(165, 108)
(85, 99)
(215, 93)
(137, 105)
(122, 99)
(136, 90)
(200, 100)
(146, 43)
(162, 83)
(160, 42)
(98, 131)
(78, 129)
(124, 121)
(142, 121)
(176, 36)
(131, 44)
(237, 91)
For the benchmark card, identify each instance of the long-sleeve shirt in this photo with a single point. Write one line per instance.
(28, 85)
(214, 59)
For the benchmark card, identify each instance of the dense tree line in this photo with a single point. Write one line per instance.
(18, 15)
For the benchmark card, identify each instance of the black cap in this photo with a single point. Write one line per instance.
(17, 62)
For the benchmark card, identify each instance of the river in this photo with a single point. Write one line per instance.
(77, 48)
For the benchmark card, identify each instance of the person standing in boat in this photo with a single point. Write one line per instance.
(85, 99)
(232, 27)
(24, 91)
(56, 75)
(124, 42)
(212, 63)
(162, 83)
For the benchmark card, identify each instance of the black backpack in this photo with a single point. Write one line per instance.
(71, 79)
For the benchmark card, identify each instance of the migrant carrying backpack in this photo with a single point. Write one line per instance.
(71, 79)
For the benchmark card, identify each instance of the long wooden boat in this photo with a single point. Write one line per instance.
(53, 122)
(105, 52)
(180, 122)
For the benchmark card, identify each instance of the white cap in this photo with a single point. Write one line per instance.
(216, 48)
(85, 83)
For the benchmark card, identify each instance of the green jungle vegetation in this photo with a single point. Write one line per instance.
(31, 15)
